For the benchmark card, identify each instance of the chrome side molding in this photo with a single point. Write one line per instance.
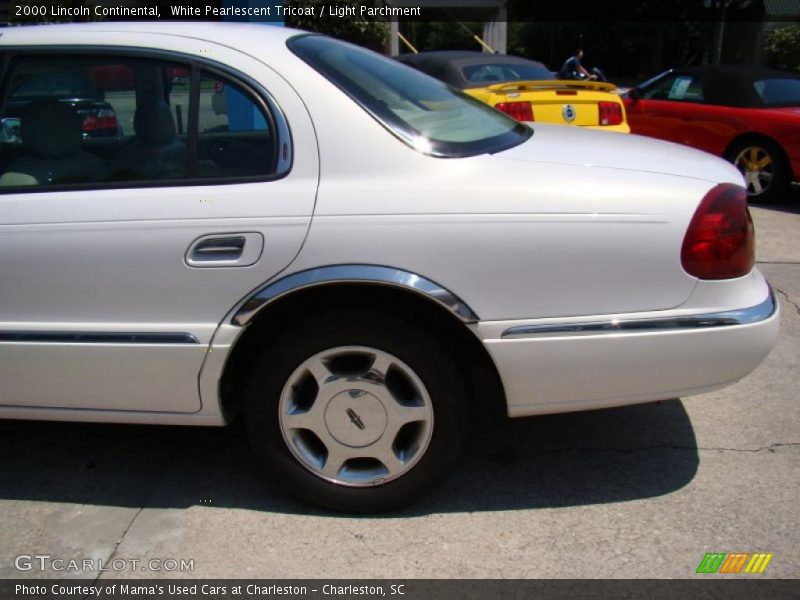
(353, 274)
(97, 337)
(753, 314)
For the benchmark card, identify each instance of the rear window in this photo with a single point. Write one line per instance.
(495, 73)
(423, 112)
(778, 92)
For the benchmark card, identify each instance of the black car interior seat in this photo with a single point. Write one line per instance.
(155, 153)
(51, 140)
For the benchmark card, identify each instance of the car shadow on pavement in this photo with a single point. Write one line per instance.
(612, 455)
(789, 204)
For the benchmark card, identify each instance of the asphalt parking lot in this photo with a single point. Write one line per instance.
(642, 491)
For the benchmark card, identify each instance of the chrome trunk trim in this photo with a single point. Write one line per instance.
(743, 316)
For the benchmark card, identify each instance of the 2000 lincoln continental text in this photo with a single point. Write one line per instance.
(208, 222)
(53, 10)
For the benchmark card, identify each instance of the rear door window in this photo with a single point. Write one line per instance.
(123, 120)
(234, 132)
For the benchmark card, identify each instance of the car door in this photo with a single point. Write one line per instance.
(671, 108)
(121, 255)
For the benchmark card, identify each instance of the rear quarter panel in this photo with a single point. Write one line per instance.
(719, 126)
(515, 239)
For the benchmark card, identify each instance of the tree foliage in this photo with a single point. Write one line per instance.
(784, 47)
(441, 35)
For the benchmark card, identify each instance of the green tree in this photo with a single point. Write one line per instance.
(356, 29)
(784, 47)
(442, 35)
(629, 41)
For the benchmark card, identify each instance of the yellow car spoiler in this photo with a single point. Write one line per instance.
(552, 84)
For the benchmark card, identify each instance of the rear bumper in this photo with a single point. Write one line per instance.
(582, 365)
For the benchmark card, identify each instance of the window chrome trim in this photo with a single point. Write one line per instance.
(97, 337)
(353, 274)
(745, 316)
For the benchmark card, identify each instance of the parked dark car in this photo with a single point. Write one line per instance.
(96, 116)
(750, 116)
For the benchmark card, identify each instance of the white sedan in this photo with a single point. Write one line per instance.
(349, 255)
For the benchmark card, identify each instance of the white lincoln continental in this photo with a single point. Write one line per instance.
(200, 222)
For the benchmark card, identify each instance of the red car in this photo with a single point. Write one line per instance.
(750, 116)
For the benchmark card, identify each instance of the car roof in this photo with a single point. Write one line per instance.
(245, 36)
(447, 64)
(732, 85)
(742, 71)
(465, 56)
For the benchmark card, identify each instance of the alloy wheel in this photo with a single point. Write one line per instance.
(356, 416)
(758, 168)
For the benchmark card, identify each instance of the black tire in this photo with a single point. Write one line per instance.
(428, 359)
(778, 187)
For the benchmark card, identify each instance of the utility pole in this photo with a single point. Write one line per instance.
(719, 35)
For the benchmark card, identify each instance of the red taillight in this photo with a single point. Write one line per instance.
(101, 119)
(521, 111)
(610, 113)
(720, 243)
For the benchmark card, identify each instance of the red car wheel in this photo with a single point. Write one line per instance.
(764, 167)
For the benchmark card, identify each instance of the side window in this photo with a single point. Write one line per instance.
(112, 121)
(679, 88)
(234, 136)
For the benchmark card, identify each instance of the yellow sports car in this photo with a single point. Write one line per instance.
(525, 89)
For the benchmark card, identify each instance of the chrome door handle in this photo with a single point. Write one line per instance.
(225, 250)
(222, 248)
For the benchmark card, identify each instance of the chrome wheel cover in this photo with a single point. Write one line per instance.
(356, 416)
(757, 166)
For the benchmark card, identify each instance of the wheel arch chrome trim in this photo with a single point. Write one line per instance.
(350, 274)
(744, 316)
